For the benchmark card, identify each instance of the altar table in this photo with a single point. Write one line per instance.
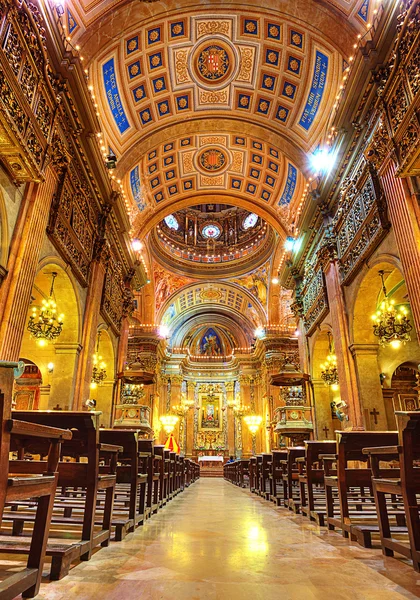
(210, 459)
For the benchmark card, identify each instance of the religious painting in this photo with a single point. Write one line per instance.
(210, 405)
(167, 283)
(210, 344)
(256, 283)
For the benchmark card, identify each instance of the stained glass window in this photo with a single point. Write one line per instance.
(250, 221)
(211, 231)
(171, 222)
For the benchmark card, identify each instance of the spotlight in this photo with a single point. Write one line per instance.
(136, 245)
(322, 161)
(259, 332)
(289, 244)
(163, 331)
(50, 367)
(275, 280)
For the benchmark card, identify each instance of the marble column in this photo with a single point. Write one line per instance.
(120, 363)
(65, 366)
(23, 265)
(345, 365)
(404, 215)
(230, 387)
(369, 385)
(190, 419)
(89, 333)
(323, 415)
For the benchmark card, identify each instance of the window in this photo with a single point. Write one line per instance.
(171, 222)
(250, 221)
(211, 231)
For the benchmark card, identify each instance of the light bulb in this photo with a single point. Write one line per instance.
(395, 344)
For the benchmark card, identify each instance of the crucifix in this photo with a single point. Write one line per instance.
(375, 414)
(326, 430)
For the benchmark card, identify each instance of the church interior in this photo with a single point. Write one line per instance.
(209, 299)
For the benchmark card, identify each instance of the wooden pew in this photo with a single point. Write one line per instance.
(242, 472)
(149, 465)
(402, 483)
(265, 488)
(85, 444)
(290, 477)
(130, 476)
(159, 450)
(353, 484)
(252, 473)
(276, 477)
(311, 479)
(24, 481)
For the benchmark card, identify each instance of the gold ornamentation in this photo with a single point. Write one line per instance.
(181, 68)
(246, 63)
(213, 97)
(187, 162)
(212, 27)
(212, 181)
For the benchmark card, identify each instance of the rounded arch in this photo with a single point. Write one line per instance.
(221, 296)
(148, 220)
(57, 360)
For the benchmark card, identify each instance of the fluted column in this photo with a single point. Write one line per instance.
(404, 215)
(345, 365)
(89, 333)
(23, 265)
(190, 419)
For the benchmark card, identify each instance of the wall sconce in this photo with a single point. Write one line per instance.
(50, 367)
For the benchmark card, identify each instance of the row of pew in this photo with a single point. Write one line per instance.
(366, 484)
(68, 487)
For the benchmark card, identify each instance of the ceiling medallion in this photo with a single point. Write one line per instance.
(210, 295)
(212, 160)
(213, 63)
(211, 231)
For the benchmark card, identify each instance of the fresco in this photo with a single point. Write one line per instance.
(210, 344)
(166, 283)
(256, 283)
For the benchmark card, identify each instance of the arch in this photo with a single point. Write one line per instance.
(230, 297)
(57, 360)
(240, 329)
(148, 220)
(323, 394)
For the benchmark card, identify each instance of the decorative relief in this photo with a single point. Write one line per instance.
(246, 64)
(397, 106)
(213, 27)
(361, 221)
(212, 181)
(214, 97)
(113, 293)
(314, 301)
(181, 68)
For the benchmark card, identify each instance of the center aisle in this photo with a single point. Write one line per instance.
(218, 542)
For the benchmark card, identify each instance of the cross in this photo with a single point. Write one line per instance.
(326, 430)
(375, 414)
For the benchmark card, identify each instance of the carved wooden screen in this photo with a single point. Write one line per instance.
(72, 225)
(314, 300)
(113, 297)
(360, 223)
(27, 99)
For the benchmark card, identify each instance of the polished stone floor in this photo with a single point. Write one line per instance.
(218, 542)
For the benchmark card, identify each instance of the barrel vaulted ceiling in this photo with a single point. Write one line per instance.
(209, 102)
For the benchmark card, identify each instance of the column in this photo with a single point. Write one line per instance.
(230, 387)
(65, 366)
(89, 333)
(402, 211)
(23, 265)
(345, 366)
(323, 420)
(369, 384)
(190, 419)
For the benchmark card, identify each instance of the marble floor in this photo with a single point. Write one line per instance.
(218, 542)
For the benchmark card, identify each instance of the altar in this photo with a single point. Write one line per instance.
(211, 466)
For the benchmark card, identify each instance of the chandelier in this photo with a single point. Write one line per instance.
(329, 369)
(169, 421)
(183, 408)
(253, 422)
(239, 409)
(390, 324)
(99, 368)
(46, 326)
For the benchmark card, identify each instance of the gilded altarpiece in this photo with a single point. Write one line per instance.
(210, 417)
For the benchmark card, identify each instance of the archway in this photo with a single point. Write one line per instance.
(326, 421)
(56, 360)
(375, 364)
